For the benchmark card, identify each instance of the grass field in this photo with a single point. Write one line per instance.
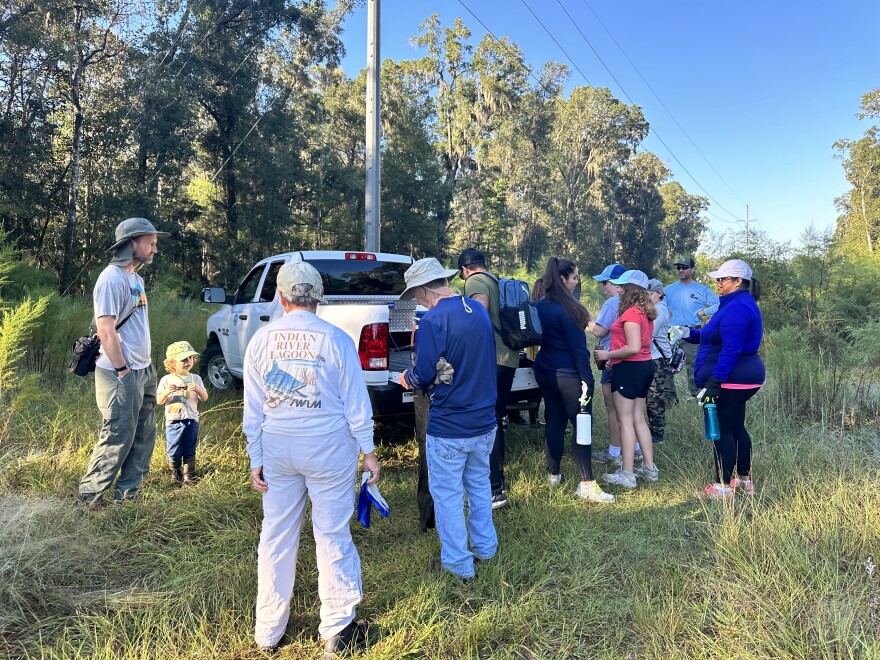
(660, 574)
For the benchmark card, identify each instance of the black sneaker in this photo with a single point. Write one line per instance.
(499, 500)
(91, 501)
(435, 566)
(346, 641)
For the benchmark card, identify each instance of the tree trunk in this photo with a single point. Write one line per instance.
(66, 278)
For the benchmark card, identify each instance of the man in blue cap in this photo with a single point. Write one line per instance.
(690, 303)
(601, 328)
(125, 378)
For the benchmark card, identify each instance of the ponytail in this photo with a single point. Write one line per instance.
(753, 286)
(556, 270)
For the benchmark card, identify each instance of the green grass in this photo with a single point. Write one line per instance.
(660, 574)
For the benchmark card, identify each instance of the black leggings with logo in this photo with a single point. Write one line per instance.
(733, 450)
(561, 406)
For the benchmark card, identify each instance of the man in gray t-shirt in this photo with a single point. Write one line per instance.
(125, 378)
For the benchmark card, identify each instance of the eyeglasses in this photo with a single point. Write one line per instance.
(680, 267)
(719, 280)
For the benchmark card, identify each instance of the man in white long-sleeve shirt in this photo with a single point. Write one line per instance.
(307, 417)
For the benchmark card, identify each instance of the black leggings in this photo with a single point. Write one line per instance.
(733, 450)
(561, 394)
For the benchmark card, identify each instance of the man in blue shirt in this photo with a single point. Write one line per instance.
(690, 303)
(461, 421)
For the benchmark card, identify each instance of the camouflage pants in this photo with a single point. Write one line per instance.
(657, 398)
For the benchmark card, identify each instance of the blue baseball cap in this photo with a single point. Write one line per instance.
(636, 277)
(611, 271)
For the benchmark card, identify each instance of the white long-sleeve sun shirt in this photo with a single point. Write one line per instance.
(302, 377)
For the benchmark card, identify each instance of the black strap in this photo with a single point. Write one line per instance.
(494, 279)
(660, 349)
(120, 323)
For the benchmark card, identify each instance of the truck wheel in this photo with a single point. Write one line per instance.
(214, 370)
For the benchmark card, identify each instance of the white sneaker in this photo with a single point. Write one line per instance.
(648, 474)
(593, 493)
(554, 479)
(621, 478)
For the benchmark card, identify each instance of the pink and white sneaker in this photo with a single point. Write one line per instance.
(743, 485)
(718, 492)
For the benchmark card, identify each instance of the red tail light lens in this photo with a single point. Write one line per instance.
(373, 347)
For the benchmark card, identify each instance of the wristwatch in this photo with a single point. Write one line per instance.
(122, 368)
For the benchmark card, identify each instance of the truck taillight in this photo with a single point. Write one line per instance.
(373, 347)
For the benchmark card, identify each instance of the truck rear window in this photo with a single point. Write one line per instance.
(361, 278)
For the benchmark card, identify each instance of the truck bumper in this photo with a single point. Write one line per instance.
(390, 399)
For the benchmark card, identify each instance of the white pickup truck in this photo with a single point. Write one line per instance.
(361, 292)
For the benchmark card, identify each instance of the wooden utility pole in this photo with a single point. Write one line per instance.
(374, 128)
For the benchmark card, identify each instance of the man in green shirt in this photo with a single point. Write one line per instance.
(482, 286)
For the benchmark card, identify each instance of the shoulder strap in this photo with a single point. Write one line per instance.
(663, 355)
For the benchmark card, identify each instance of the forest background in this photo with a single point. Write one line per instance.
(229, 124)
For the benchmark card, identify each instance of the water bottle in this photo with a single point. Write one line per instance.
(584, 421)
(710, 422)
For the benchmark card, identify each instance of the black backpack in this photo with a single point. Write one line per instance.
(518, 319)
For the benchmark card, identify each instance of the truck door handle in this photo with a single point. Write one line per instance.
(243, 317)
(264, 317)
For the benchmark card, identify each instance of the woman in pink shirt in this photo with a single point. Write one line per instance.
(631, 376)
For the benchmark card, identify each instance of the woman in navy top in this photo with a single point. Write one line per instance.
(562, 367)
(729, 367)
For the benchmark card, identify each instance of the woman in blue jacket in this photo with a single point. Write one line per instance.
(562, 368)
(729, 367)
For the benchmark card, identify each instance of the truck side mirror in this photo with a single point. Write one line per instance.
(214, 294)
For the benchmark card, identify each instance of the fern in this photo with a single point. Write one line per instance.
(16, 324)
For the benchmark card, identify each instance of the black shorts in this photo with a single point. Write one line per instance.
(632, 379)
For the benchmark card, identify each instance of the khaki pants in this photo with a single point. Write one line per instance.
(128, 433)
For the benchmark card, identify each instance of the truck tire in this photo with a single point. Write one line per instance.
(214, 371)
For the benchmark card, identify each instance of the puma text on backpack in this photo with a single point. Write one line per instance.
(517, 316)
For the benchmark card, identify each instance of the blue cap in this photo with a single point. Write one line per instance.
(636, 277)
(610, 272)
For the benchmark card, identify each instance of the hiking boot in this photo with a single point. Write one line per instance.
(743, 485)
(621, 478)
(647, 473)
(718, 492)
(176, 469)
(657, 439)
(603, 456)
(554, 479)
(91, 501)
(593, 493)
(499, 500)
(346, 641)
(189, 472)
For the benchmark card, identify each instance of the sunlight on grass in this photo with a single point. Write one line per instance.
(660, 574)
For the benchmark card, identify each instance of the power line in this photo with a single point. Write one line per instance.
(659, 100)
(656, 133)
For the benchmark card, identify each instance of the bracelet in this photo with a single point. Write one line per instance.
(122, 368)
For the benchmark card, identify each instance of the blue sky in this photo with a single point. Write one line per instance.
(763, 89)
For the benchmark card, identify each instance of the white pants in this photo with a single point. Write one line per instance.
(324, 467)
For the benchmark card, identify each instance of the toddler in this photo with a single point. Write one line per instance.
(180, 392)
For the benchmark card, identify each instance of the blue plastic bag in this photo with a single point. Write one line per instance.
(369, 497)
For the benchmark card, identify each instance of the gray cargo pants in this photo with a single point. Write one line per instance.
(128, 433)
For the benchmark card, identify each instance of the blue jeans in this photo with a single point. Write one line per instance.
(457, 466)
(181, 437)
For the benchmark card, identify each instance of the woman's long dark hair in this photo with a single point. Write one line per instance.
(558, 269)
(753, 286)
(635, 296)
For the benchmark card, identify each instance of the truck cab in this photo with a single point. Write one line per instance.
(361, 292)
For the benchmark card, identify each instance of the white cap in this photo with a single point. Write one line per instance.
(636, 277)
(300, 279)
(422, 272)
(733, 268)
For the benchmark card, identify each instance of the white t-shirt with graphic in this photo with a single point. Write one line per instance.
(181, 404)
(116, 293)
